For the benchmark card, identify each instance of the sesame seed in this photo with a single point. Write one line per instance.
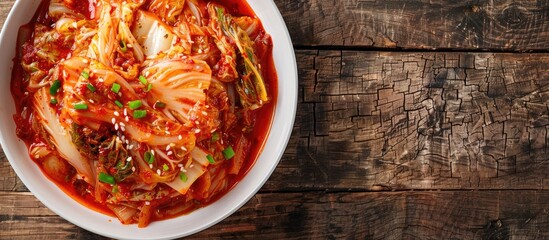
(127, 142)
(197, 122)
(158, 171)
(205, 113)
(85, 60)
(91, 100)
(213, 130)
(192, 165)
(170, 153)
(152, 152)
(167, 132)
(101, 79)
(26, 93)
(172, 144)
(147, 73)
(184, 148)
(116, 126)
(168, 147)
(180, 165)
(122, 128)
(150, 166)
(147, 203)
(129, 159)
(129, 45)
(116, 113)
(125, 112)
(122, 124)
(113, 121)
(200, 85)
(127, 119)
(133, 169)
(180, 137)
(197, 131)
(130, 147)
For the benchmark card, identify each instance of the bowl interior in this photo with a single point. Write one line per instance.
(49, 194)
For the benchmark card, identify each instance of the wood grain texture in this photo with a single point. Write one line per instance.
(321, 215)
(419, 24)
(418, 121)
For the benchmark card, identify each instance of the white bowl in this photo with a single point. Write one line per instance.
(49, 194)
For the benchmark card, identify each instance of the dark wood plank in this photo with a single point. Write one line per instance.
(369, 120)
(375, 120)
(314, 215)
(419, 24)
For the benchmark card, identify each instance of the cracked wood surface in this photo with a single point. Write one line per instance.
(372, 125)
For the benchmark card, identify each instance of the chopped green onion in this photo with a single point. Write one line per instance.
(55, 87)
(123, 46)
(53, 101)
(215, 137)
(210, 159)
(149, 87)
(149, 157)
(119, 104)
(159, 105)
(228, 153)
(115, 87)
(139, 113)
(183, 177)
(135, 104)
(143, 80)
(85, 75)
(106, 178)
(165, 167)
(81, 106)
(115, 189)
(91, 87)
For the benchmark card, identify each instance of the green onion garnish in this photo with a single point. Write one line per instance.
(85, 75)
(53, 101)
(115, 87)
(149, 157)
(149, 87)
(123, 46)
(165, 167)
(91, 87)
(139, 114)
(183, 177)
(210, 159)
(215, 137)
(119, 104)
(55, 87)
(135, 104)
(228, 153)
(106, 178)
(143, 80)
(81, 106)
(159, 105)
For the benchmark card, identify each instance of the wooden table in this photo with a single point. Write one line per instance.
(418, 119)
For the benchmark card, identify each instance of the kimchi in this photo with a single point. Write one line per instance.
(144, 109)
